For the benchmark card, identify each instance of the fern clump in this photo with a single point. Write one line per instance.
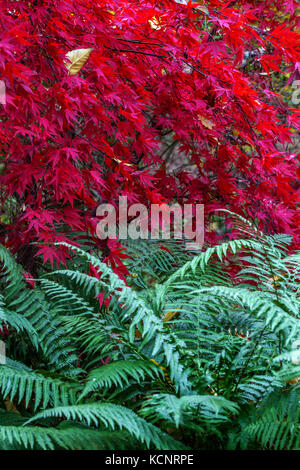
(202, 357)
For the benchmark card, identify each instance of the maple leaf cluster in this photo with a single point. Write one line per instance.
(198, 73)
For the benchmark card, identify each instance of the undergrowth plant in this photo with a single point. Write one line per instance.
(204, 357)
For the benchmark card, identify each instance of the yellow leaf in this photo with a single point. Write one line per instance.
(202, 8)
(164, 371)
(121, 161)
(212, 227)
(154, 23)
(274, 279)
(294, 381)
(154, 361)
(169, 315)
(77, 59)
(206, 122)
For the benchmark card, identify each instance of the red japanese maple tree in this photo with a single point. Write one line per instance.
(200, 74)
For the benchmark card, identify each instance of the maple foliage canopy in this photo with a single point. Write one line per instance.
(199, 74)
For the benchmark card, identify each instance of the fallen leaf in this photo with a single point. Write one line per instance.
(206, 122)
(203, 8)
(169, 315)
(77, 58)
(154, 23)
(124, 163)
(293, 381)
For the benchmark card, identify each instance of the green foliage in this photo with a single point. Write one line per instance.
(25, 384)
(199, 355)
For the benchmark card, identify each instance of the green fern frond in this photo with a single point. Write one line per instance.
(173, 409)
(277, 425)
(113, 416)
(28, 385)
(34, 437)
(119, 373)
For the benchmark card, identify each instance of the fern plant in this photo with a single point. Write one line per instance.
(201, 358)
